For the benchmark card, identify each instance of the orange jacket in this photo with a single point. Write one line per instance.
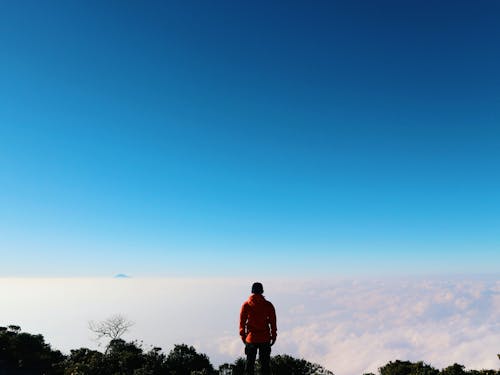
(257, 320)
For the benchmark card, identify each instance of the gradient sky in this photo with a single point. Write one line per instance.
(249, 138)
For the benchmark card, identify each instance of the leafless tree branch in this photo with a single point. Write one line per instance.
(112, 328)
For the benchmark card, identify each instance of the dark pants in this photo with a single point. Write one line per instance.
(264, 358)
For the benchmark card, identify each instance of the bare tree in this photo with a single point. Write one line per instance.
(112, 328)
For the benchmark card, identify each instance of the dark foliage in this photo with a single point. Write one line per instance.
(26, 354)
(184, 360)
(84, 361)
(238, 367)
(419, 368)
(128, 358)
(287, 365)
(407, 368)
(280, 365)
(483, 372)
(454, 369)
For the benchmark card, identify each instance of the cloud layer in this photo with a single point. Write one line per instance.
(355, 327)
(349, 326)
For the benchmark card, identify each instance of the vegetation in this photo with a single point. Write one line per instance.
(111, 329)
(26, 354)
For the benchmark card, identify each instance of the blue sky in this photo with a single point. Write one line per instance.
(268, 138)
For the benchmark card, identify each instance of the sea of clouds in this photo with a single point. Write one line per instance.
(349, 326)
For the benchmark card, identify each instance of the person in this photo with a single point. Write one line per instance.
(258, 329)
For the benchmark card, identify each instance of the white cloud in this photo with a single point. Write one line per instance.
(356, 327)
(351, 327)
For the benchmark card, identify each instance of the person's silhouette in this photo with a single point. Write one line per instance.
(258, 329)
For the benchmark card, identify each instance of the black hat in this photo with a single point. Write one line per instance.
(257, 288)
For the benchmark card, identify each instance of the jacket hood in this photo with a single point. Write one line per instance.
(256, 299)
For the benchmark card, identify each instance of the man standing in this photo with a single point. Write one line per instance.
(258, 329)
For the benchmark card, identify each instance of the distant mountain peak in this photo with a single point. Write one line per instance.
(121, 276)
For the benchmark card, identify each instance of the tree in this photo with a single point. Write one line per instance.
(396, 368)
(407, 368)
(454, 369)
(24, 353)
(124, 357)
(155, 362)
(239, 366)
(84, 362)
(236, 368)
(483, 372)
(112, 328)
(184, 360)
(288, 365)
(281, 365)
(226, 369)
(14, 328)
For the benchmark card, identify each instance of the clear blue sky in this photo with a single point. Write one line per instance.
(249, 138)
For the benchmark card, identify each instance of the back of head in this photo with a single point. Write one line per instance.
(257, 288)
